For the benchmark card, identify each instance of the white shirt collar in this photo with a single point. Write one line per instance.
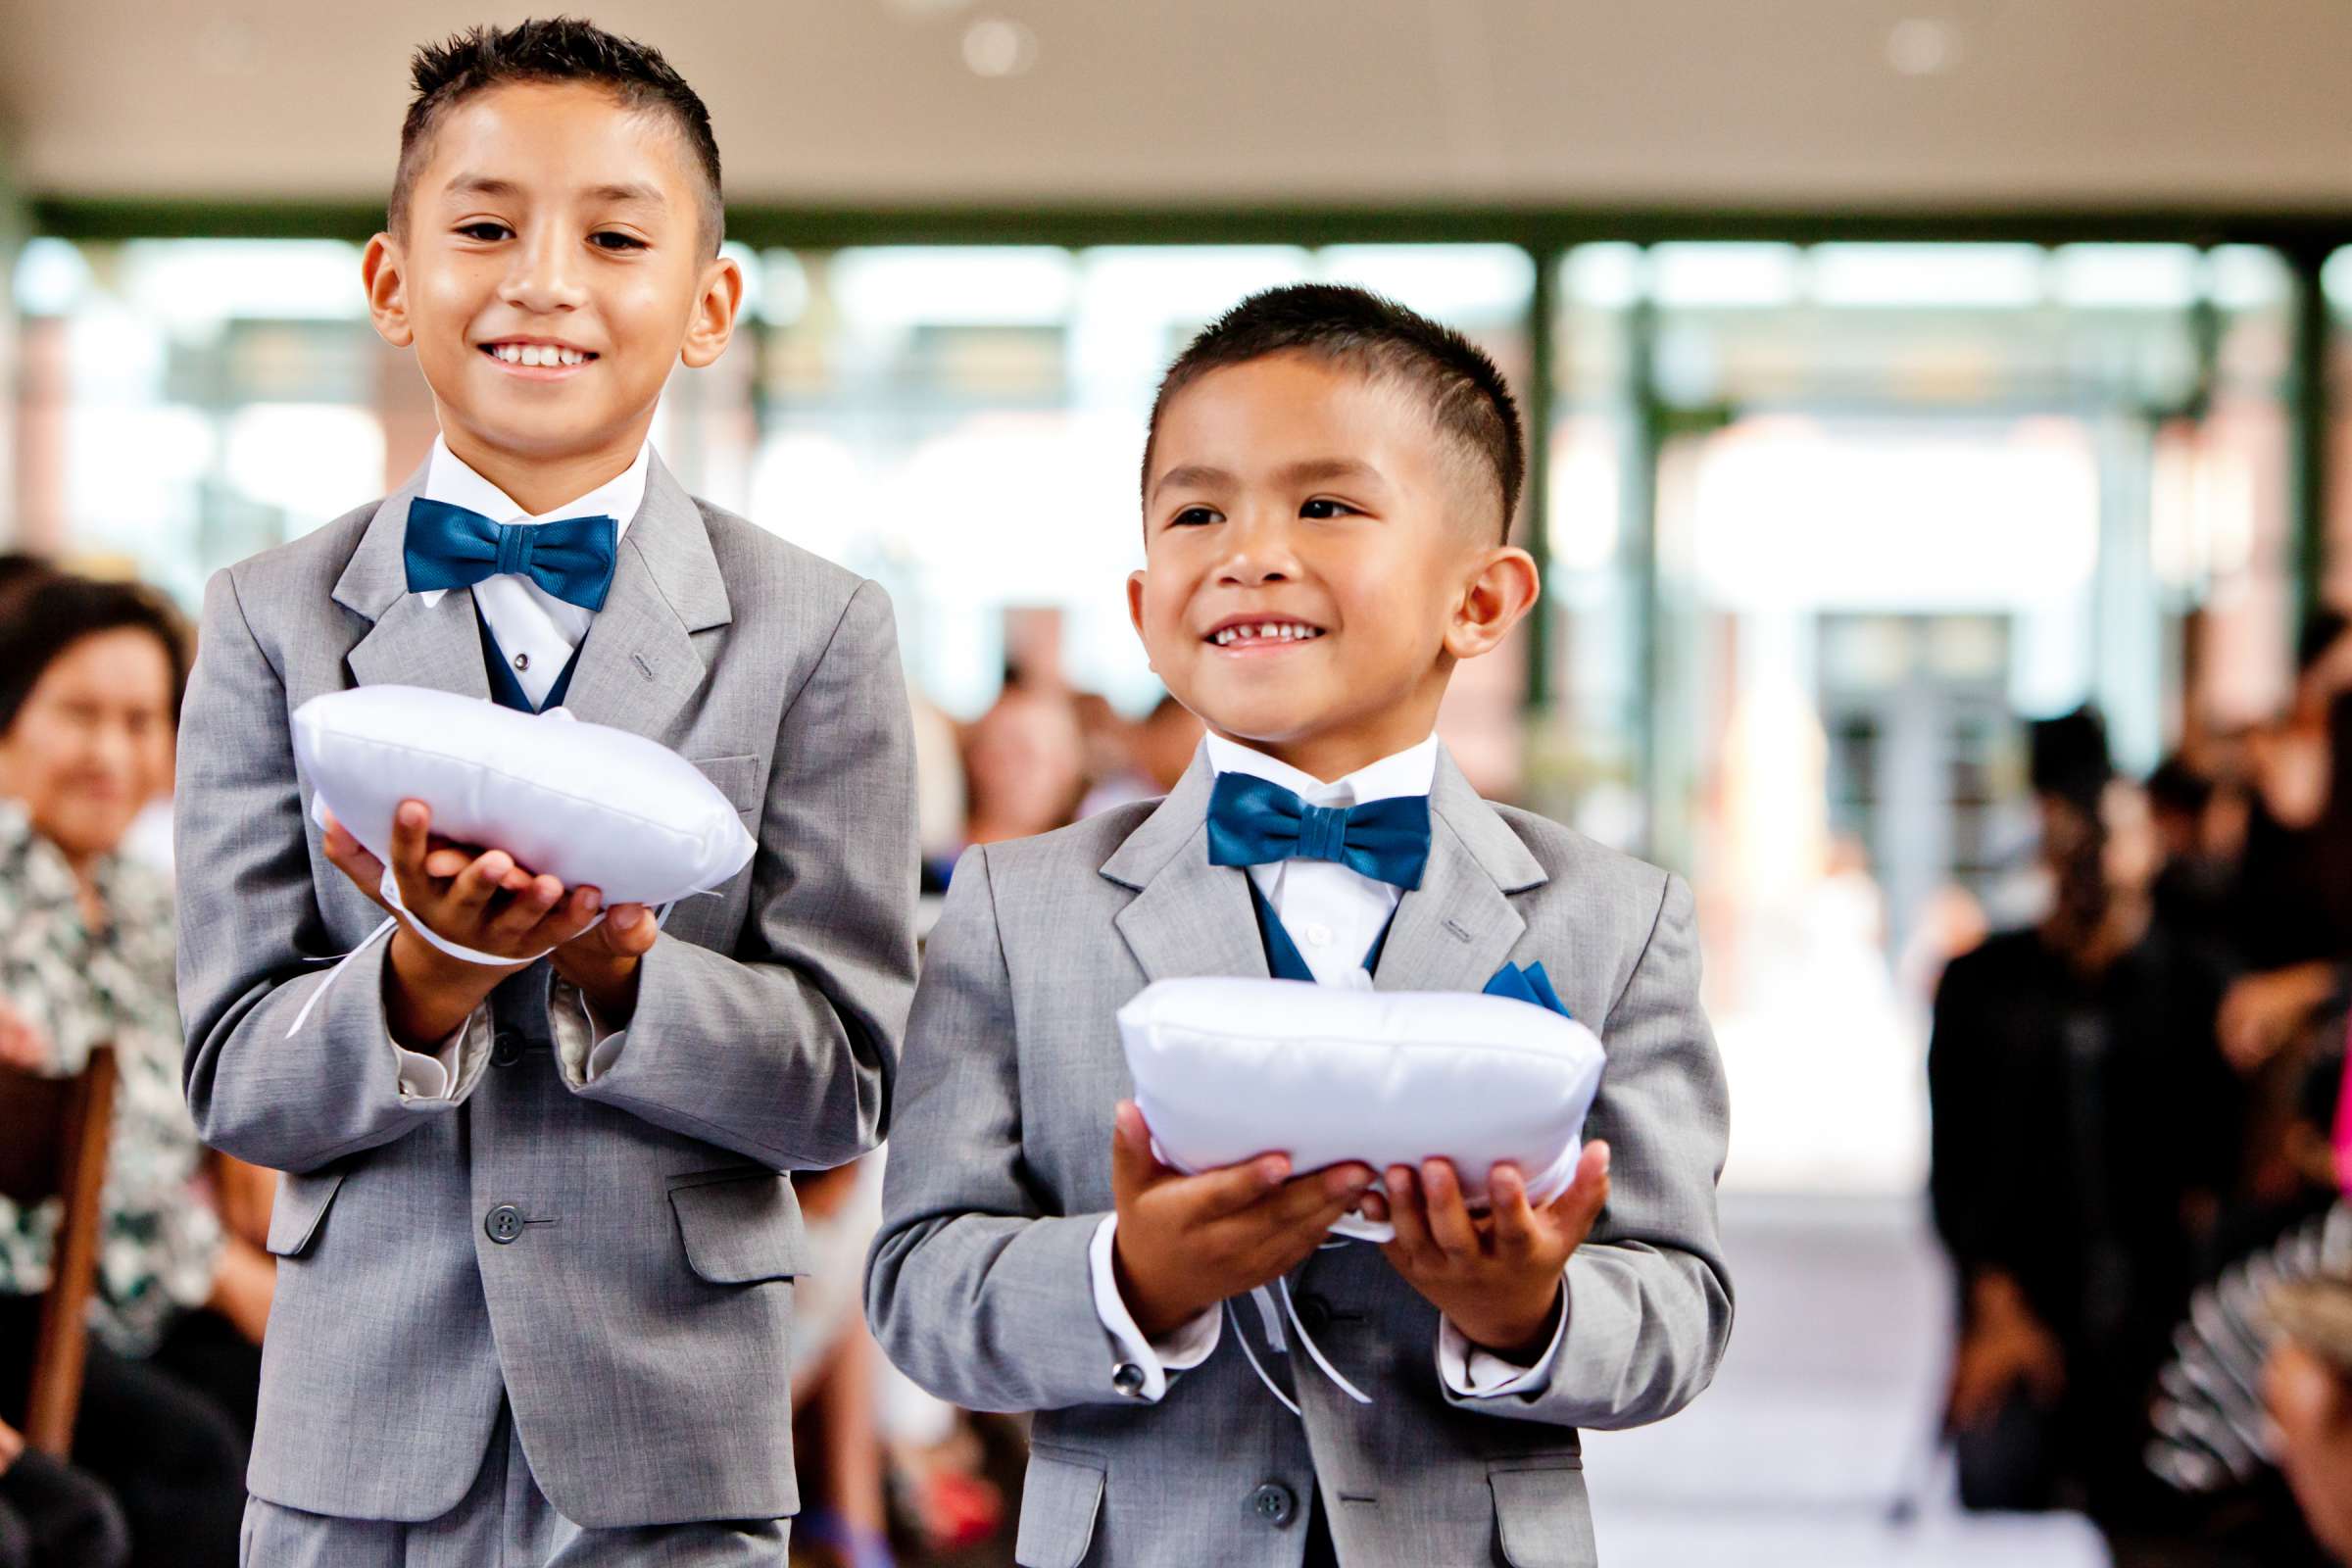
(1411, 771)
(451, 479)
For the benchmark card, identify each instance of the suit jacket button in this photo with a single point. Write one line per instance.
(1314, 1313)
(504, 1223)
(506, 1048)
(1128, 1379)
(1273, 1504)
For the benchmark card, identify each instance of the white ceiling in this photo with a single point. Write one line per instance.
(1753, 103)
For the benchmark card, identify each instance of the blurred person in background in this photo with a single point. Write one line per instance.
(53, 1516)
(2073, 1081)
(90, 682)
(2200, 819)
(1024, 766)
(2310, 1400)
(2292, 922)
(865, 1436)
(1154, 753)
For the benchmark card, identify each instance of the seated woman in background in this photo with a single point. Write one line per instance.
(90, 681)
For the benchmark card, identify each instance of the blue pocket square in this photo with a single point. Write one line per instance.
(1530, 984)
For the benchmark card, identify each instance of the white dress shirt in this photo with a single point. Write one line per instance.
(1333, 915)
(537, 633)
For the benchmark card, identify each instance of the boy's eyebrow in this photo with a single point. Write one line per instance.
(1307, 470)
(492, 186)
(1191, 474)
(1312, 470)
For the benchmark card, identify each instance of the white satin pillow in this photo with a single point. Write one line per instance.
(1226, 1068)
(586, 803)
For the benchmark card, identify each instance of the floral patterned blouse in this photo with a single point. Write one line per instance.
(159, 1242)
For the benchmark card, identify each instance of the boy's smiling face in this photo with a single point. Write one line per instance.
(553, 269)
(1318, 557)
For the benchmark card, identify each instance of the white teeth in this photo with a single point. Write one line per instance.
(537, 354)
(1281, 632)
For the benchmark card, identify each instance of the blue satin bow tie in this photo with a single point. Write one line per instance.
(451, 547)
(1252, 822)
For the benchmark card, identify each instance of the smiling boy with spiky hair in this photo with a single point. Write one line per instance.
(1328, 488)
(535, 1242)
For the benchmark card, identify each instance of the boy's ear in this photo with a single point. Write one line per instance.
(714, 308)
(383, 273)
(1135, 614)
(1504, 589)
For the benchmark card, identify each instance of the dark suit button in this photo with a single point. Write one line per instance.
(1273, 1504)
(1128, 1379)
(504, 1223)
(1314, 1313)
(506, 1048)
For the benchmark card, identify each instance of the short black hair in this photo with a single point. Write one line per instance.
(2067, 757)
(551, 50)
(1467, 396)
(49, 615)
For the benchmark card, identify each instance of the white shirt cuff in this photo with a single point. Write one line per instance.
(1471, 1373)
(446, 1074)
(1182, 1349)
(584, 1047)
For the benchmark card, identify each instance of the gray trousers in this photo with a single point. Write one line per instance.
(503, 1521)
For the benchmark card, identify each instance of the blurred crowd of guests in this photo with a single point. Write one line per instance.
(2136, 1093)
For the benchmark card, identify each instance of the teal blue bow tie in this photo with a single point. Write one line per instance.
(1252, 821)
(451, 547)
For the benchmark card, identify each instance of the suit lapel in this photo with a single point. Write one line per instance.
(409, 645)
(1454, 931)
(1188, 917)
(639, 665)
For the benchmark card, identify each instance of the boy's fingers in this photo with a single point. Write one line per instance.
(1404, 1213)
(1376, 1206)
(1219, 1194)
(1133, 1168)
(567, 921)
(443, 863)
(1449, 1222)
(1575, 1210)
(481, 880)
(1514, 1221)
(412, 831)
(530, 907)
(1315, 1199)
(631, 929)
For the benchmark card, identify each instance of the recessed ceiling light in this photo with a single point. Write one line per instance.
(997, 46)
(1923, 46)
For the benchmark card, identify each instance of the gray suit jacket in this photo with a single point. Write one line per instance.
(1000, 1173)
(639, 1324)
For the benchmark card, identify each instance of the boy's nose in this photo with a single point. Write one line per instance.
(544, 277)
(1260, 553)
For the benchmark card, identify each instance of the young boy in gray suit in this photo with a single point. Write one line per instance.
(534, 1299)
(1327, 487)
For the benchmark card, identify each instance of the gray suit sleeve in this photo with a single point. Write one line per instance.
(973, 1289)
(784, 1050)
(253, 946)
(1649, 1301)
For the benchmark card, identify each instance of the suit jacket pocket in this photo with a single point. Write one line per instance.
(1541, 1515)
(1059, 1501)
(300, 1210)
(740, 1227)
(737, 777)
